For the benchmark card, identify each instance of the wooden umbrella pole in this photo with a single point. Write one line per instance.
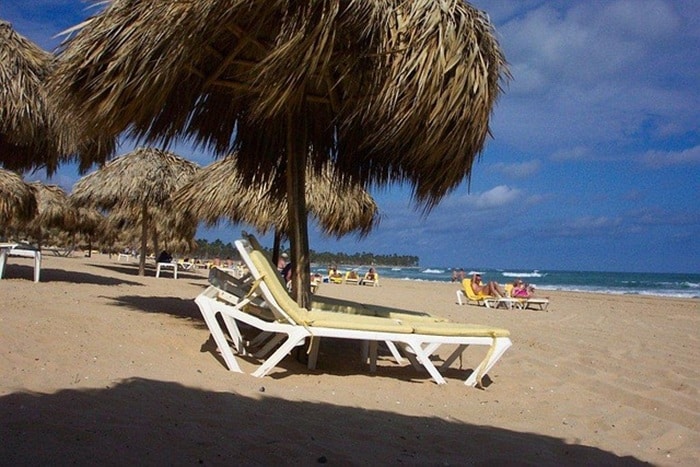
(144, 236)
(276, 247)
(296, 199)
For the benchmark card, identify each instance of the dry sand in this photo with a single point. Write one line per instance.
(99, 365)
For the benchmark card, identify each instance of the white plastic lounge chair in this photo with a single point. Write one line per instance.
(542, 303)
(171, 265)
(352, 277)
(292, 325)
(525, 303)
(467, 293)
(18, 249)
(370, 278)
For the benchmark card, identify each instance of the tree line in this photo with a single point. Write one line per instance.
(218, 249)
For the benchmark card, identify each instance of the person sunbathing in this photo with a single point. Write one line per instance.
(522, 290)
(334, 276)
(490, 288)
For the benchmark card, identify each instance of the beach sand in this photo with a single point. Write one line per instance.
(99, 365)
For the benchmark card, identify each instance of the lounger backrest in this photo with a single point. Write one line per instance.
(279, 294)
(508, 290)
(255, 245)
(467, 285)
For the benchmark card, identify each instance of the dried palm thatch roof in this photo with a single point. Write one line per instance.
(168, 225)
(89, 220)
(25, 117)
(32, 133)
(139, 183)
(219, 191)
(54, 208)
(17, 199)
(390, 90)
(393, 90)
(144, 176)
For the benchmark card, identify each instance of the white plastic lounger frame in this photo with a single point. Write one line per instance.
(13, 249)
(418, 345)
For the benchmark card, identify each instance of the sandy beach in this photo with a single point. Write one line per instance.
(102, 366)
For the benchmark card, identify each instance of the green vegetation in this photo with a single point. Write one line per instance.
(219, 249)
(364, 258)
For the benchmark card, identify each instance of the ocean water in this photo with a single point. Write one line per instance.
(657, 284)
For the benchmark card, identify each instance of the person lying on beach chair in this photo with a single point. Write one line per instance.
(371, 278)
(491, 288)
(351, 277)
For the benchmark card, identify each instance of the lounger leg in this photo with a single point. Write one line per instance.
(296, 337)
(218, 334)
(424, 360)
(3, 261)
(459, 297)
(271, 344)
(234, 332)
(453, 356)
(313, 355)
(395, 352)
(37, 266)
(501, 345)
(373, 356)
(260, 338)
(410, 355)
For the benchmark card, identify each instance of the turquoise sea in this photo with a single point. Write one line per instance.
(659, 284)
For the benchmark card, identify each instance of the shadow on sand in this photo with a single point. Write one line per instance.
(132, 269)
(146, 422)
(174, 306)
(20, 271)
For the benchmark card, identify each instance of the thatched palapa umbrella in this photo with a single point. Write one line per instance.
(54, 210)
(140, 181)
(17, 199)
(390, 90)
(168, 225)
(220, 191)
(32, 133)
(26, 122)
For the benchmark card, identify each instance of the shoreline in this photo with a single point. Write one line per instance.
(96, 359)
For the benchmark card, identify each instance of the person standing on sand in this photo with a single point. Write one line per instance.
(282, 262)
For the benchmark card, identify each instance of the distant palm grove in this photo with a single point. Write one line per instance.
(218, 249)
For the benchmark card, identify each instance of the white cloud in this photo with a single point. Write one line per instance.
(519, 169)
(656, 159)
(496, 197)
(569, 154)
(596, 73)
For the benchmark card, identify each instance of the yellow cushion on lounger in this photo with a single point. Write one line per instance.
(285, 301)
(458, 329)
(344, 306)
(328, 319)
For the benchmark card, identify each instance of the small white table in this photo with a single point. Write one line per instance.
(15, 249)
(123, 256)
(160, 266)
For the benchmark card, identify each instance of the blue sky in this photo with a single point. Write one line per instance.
(595, 158)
